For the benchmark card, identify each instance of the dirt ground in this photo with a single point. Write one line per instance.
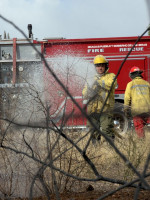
(126, 194)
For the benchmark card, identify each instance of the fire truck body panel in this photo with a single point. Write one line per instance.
(114, 49)
(20, 66)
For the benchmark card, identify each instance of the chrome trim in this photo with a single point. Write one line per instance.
(119, 96)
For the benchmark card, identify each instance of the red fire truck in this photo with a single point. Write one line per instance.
(72, 61)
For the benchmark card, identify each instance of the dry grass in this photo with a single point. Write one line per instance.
(68, 159)
(107, 160)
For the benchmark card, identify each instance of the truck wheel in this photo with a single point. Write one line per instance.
(121, 123)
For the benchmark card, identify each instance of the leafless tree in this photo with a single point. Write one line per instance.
(39, 157)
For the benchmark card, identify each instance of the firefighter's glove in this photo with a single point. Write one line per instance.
(94, 89)
(96, 86)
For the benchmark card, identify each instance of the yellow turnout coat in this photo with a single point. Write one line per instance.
(103, 84)
(137, 95)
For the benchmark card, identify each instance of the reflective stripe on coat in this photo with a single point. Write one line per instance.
(137, 95)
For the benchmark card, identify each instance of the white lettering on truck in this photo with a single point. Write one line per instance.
(134, 49)
(121, 47)
(95, 50)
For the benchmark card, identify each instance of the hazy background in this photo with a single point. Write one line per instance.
(75, 18)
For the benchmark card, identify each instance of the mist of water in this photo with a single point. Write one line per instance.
(74, 72)
(75, 66)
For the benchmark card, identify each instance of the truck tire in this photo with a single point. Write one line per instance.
(121, 123)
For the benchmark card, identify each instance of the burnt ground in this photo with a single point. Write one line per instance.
(125, 194)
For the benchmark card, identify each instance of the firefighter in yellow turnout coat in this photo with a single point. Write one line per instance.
(137, 95)
(96, 95)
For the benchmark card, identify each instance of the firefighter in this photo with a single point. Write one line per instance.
(137, 95)
(96, 93)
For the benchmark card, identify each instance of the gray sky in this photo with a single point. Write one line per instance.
(75, 18)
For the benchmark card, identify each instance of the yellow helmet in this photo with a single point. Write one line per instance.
(100, 59)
